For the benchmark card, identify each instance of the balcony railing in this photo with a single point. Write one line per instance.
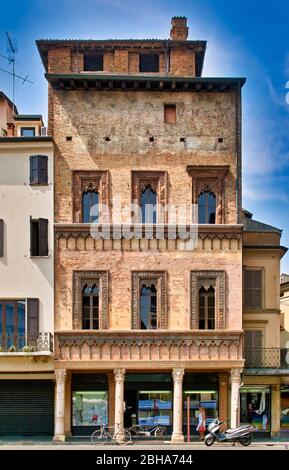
(43, 342)
(139, 345)
(266, 358)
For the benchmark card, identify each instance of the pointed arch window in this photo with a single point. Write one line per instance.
(148, 307)
(90, 201)
(90, 306)
(207, 207)
(148, 202)
(207, 308)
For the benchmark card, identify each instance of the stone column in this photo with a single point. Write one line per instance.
(111, 398)
(235, 397)
(59, 433)
(275, 410)
(178, 435)
(119, 375)
(223, 399)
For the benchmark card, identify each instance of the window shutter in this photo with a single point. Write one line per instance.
(248, 294)
(32, 319)
(34, 170)
(42, 169)
(1, 238)
(43, 237)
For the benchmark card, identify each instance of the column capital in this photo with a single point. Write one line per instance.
(236, 375)
(60, 375)
(119, 375)
(178, 374)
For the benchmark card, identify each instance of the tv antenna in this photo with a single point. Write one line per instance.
(11, 51)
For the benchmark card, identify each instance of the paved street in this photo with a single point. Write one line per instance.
(153, 446)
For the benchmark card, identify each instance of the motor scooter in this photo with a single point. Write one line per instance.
(241, 434)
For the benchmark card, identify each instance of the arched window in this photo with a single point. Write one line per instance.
(89, 201)
(90, 307)
(148, 202)
(148, 307)
(207, 207)
(207, 308)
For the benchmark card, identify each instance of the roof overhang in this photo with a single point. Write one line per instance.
(96, 81)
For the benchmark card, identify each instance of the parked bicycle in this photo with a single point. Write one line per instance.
(149, 430)
(111, 435)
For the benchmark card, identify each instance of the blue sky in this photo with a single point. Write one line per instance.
(245, 38)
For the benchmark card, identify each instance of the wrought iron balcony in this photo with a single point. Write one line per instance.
(144, 345)
(266, 358)
(43, 342)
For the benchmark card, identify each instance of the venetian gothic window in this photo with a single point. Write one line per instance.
(207, 308)
(90, 306)
(207, 207)
(148, 307)
(90, 200)
(148, 202)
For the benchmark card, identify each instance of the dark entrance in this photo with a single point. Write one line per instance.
(26, 407)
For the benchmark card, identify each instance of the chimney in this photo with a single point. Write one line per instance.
(179, 30)
(10, 129)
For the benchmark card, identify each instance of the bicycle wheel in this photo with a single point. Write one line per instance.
(123, 437)
(160, 432)
(99, 437)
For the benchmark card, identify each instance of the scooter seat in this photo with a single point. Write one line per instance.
(240, 428)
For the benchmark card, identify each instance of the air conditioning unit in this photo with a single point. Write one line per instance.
(44, 132)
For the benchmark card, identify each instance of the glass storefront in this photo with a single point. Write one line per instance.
(255, 407)
(208, 399)
(155, 408)
(199, 390)
(89, 408)
(284, 418)
(89, 403)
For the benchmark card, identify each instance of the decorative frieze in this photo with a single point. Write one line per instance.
(148, 346)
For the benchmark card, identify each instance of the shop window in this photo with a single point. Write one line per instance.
(253, 289)
(90, 306)
(284, 418)
(93, 62)
(90, 300)
(207, 308)
(255, 407)
(149, 306)
(170, 113)
(149, 63)
(193, 400)
(89, 409)
(155, 408)
(148, 201)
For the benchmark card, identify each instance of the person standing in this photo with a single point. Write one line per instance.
(201, 428)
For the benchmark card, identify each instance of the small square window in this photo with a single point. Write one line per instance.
(170, 113)
(93, 62)
(27, 131)
(149, 63)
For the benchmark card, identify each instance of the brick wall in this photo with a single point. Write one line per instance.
(182, 62)
(59, 60)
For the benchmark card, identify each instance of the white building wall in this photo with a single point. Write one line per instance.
(22, 276)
